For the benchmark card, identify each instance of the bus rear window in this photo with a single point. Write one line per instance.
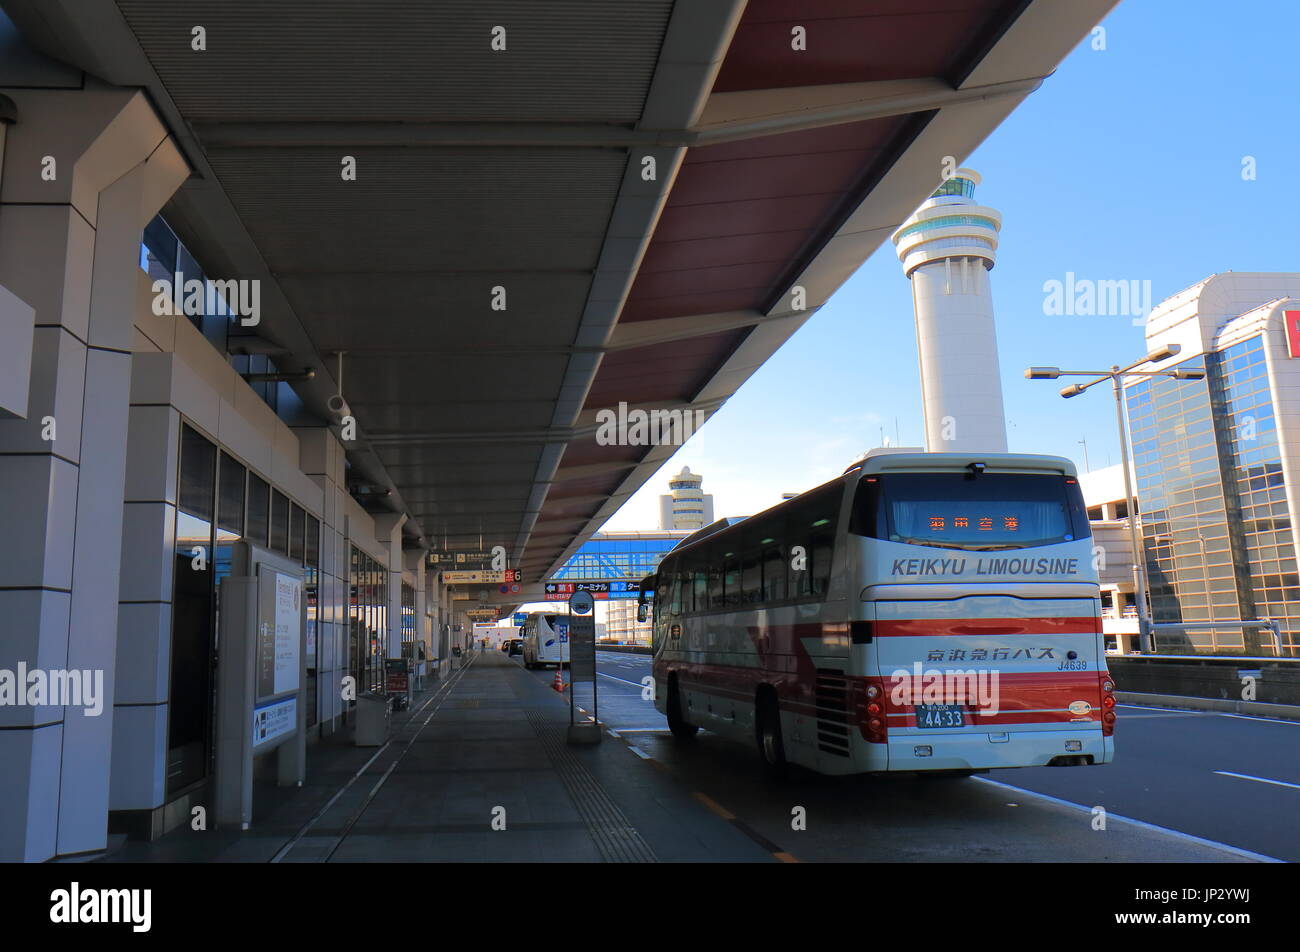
(985, 512)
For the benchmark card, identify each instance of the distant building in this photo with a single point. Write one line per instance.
(1217, 459)
(621, 625)
(686, 506)
(1103, 494)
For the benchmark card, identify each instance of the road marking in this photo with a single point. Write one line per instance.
(785, 857)
(635, 684)
(1171, 710)
(639, 752)
(1138, 717)
(1260, 717)
(1199, 840)
(643, 730)
(1180, 710)
(713, 806)
(1279, 783)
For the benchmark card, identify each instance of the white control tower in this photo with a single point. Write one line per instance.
(947, 247)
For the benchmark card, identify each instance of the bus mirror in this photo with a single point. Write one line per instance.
(641, 612)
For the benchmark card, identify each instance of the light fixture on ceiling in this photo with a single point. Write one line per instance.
(337, 406)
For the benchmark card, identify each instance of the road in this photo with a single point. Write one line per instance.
(1230, 780)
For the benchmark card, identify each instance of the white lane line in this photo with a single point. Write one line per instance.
(1138, 717)
(1242, 776)
(1266, 720)
(1201, 841)
(1180, 710)
(643, 730)
(635, 684)
(1171, 710)
(639, 752)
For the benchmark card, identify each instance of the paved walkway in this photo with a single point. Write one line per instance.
(476, 771)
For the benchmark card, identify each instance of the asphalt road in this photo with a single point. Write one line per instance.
(1205, 783)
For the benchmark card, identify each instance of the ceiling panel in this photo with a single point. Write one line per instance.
(849, 42)
(407, 60)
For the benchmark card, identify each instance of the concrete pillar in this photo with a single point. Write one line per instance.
(84, 171)
(388, 532)
(321, 457)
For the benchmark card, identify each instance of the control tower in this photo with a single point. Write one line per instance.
(947, 247)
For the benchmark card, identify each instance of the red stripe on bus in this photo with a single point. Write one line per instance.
(968, 627)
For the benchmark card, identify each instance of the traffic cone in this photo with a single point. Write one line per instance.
(558, 683)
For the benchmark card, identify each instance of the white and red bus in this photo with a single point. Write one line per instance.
(923, 612)
(546, 640)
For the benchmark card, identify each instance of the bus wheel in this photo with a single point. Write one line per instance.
(771, 748)
(676, 723)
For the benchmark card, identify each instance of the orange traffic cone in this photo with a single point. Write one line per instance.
(558, 683)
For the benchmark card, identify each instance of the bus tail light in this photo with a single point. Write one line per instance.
(872, 712)
(1107, 705)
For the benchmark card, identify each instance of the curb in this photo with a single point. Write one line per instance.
(1285, 712)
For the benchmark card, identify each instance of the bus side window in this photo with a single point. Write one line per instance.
(700, 577)
(670, 579)
(731, 574)
(751, 569)
(866, 503)
(823, 548)
(713, 572)
(774, 569)
(796, 535)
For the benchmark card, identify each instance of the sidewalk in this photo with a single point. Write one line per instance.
(484, 748)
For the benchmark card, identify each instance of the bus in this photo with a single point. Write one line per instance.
(546, 640)
(927, 612)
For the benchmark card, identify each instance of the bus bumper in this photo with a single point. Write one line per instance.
(987, 750)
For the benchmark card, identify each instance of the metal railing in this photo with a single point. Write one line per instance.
(1273, 626)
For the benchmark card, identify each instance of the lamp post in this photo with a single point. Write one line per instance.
(1116, 376)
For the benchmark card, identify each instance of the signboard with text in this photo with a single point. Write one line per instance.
(479, 578)
(274, 719)
(279, 633)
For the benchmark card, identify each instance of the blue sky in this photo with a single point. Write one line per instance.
(1125, 165)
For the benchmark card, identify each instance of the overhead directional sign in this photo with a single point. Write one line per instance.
(562, 591)
(480, 578)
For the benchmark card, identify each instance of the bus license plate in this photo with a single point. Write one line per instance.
(939, 715)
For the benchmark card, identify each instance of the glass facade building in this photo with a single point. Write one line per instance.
(1216, 527)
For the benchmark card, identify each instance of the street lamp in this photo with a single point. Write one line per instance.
(1116, 375)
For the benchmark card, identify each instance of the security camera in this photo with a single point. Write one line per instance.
(338, 407)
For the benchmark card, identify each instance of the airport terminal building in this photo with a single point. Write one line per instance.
(1217, 461)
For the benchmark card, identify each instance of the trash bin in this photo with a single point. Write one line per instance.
(374, 719)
